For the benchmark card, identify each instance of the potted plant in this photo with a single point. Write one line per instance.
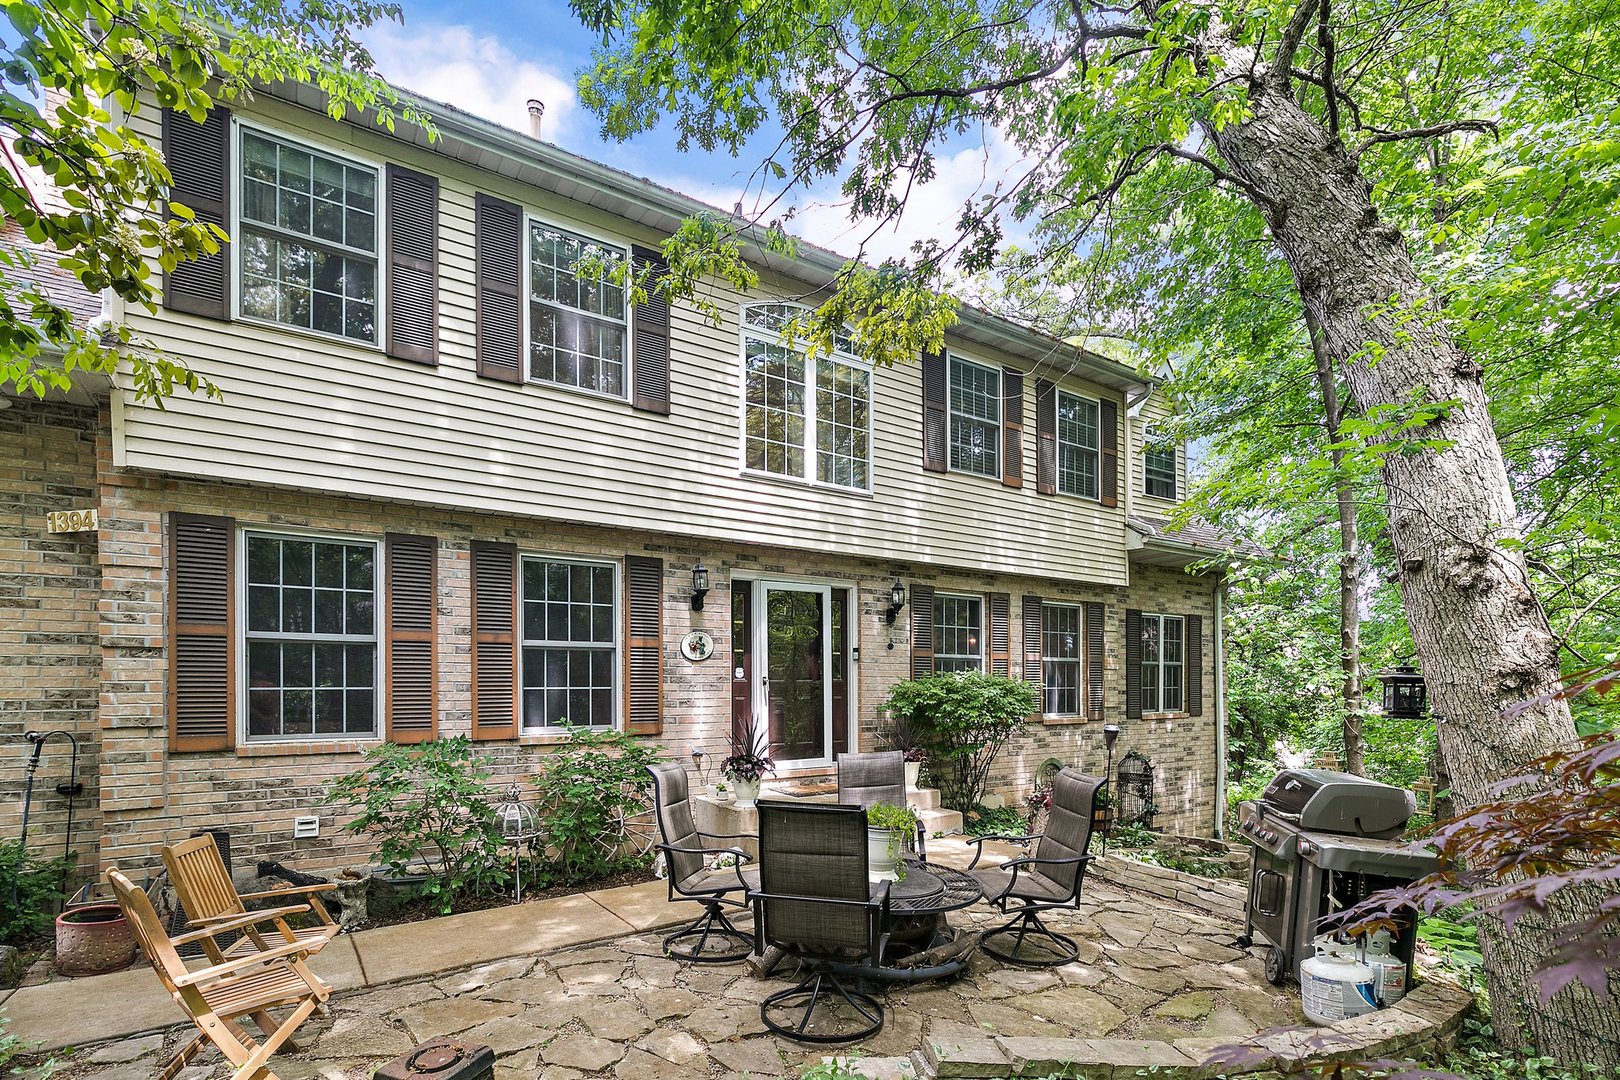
(93, 940)
(748, 764)
(903, 737)
(886, 830)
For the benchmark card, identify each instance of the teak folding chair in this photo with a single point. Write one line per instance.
(218, 996)
(203, 884)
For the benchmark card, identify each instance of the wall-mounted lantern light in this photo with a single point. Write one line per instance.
(897, 600)
(700, 585)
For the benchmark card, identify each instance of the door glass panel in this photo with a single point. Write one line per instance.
(796, 701)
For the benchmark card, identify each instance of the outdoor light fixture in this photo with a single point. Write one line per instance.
(1406, 695)
(897, 600)
(1110, 734)
(700, 585)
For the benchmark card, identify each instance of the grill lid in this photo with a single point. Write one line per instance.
(1336, 802)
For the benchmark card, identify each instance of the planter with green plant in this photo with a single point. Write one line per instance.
(961, 721)
(901, 736)
(887, 828)
(748, 763)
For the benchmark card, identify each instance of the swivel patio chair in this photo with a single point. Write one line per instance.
(687, 854)
(815, 903)
(216, 997)
(205, 890)
(1049, 878)
(866, 780)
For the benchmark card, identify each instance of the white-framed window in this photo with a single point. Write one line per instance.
(1079, 445)
(805, 417)
(1158, 468)
(1163, 657)
(958, 632)
(579, 315)
(570, 641)
(975, 417)
(310, 636)
(1062, 672)
(307, 237)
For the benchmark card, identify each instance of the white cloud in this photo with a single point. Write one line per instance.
(474, 72)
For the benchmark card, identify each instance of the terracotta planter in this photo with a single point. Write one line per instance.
(93, 940)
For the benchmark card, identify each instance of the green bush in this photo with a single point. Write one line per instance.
(962, 721)
(39, 892)
(588, 787)
(1001, 821)
(428, 806)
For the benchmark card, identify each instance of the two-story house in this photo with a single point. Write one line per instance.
(459, 485)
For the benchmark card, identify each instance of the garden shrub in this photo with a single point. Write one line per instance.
(1000, 821)
(39, 892)
(428, 806)
(588, 786)
(961, 721)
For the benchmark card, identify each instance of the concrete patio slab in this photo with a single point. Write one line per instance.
(75, 1012)
(646, 906)
(338, 964)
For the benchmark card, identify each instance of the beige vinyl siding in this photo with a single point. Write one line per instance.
(323, 415)
(1155, 411)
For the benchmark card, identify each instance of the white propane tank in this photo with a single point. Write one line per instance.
(1334, 987)
(1390, 971)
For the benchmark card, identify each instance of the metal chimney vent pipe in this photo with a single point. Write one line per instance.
(537, 110)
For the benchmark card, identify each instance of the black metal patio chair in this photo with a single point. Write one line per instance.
(1049, 878)
(687, 854)
(865, 780)
(815, 903)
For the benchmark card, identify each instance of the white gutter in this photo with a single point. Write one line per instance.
(1220, 708)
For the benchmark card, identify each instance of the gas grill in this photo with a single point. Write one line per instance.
(1323, 842)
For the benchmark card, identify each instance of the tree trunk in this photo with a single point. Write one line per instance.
(1349, 558)
(1481, 633)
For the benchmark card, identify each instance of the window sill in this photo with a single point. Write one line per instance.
(579, 391)
(1165, 716)
(314, 335)
(314, 746)
(800, 482)
(1065, 719)
(996, 479)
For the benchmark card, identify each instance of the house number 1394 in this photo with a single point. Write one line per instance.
(64, 521)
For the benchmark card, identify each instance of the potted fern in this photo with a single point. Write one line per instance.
(886, 830)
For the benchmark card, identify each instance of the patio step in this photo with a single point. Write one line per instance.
(923, 798)
(948, 822)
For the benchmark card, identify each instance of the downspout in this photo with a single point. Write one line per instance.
(1220, 708)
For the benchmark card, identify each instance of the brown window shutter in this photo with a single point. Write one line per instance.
(1110, 453)
(649, 351)
(1000, 633)
(934, 422)
(413, 265)
(1045, 437)
(498, 253)
(202, 683)
(494, 651)
(1034, 651)
(922, 631)
(1094, 660)
(413, 606)
(644, 645)
(1133, 664)
(1192, 636)
(199, 161)
(1012, 428)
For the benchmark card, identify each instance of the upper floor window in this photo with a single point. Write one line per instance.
(308, 239)
(958, 622)
(806, 417)
(975, 408)
(1060, 659)
(1079, 445)
(1158, 469)
(311, 637)
(578, 328)
(570, 643)
(1162, 659)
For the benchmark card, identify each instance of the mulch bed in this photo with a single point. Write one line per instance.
(420, 910)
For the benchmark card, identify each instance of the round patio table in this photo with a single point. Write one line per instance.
(916, 924)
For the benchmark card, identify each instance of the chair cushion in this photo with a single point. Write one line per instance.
(719, 881)
(1031, 885)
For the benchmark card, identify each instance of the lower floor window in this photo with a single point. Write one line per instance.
(570, 644)
(957, 622)
(1060, 659)
(1162, 659)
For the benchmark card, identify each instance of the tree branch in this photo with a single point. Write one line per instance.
(1292, 35)
(1324, 42)
(1337, 91)
(1485, 126)
(1221, 174)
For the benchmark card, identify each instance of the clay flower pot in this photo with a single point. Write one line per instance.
(93, 940)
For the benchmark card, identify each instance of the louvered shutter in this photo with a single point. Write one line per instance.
(413, 265)
(198, 157)
(1012, 428)
(1094, 660)
(1045, 437)
(644, 645)
(1110, 453)
(649, 371)
(922, 631)
(1034, 650)
(934, 420)
(498, 254)
(202, 684)
(494, 651)
(1133, 664)
(1000, 633)
(1192, 634)
(411, 680)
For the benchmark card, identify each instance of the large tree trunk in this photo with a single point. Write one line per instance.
(1349, 557)
(1481, 633)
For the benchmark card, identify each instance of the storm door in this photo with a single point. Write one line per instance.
(793, 652)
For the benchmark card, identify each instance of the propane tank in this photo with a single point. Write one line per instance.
(1390, 970)
(1333, 986)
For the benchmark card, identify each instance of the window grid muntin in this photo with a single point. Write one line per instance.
(843, 421)
(308, 683)
(578, 327)
(1062, 648)
(1159, 472)
(1163, 663)
(958, 632)
(569, 631)
(774, 408)
(975, 417)
(1079, 441)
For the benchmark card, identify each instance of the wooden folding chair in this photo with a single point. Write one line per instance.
(216, 997)
(203, 884)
